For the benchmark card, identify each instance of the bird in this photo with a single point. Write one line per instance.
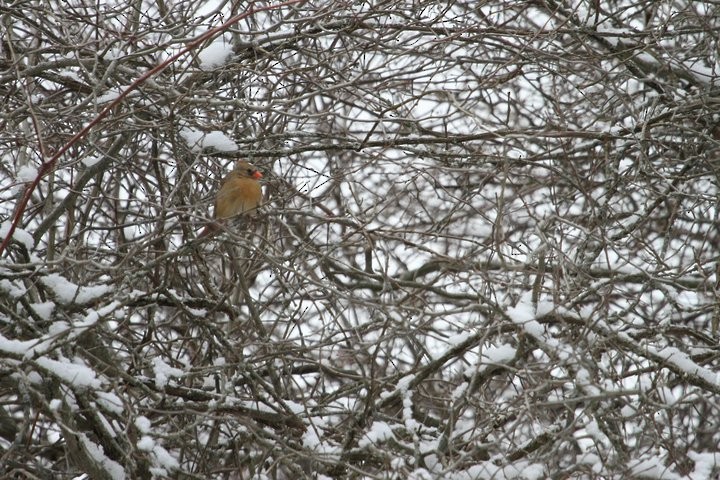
(240, 192)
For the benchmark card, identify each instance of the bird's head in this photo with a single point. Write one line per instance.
(246, 169)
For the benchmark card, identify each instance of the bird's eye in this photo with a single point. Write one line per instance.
(250, 171)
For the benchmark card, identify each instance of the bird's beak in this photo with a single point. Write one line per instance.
(257, 175)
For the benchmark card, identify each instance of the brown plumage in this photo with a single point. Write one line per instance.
(239, 193)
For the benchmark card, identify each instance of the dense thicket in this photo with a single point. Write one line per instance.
(488, 247)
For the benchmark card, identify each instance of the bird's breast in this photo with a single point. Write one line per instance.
(237, 196)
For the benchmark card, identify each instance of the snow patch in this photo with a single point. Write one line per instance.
(43, 310)
(652, 466)
(11, 288)
(165, 459)
(215, 55)
(96, 452)
(79, 376)
(146, 443)
(200, 141)
(163, 372)
(19, 234)
(143, 424)
(379, 432)
(67, 292)
(498, 354)
(682, 361)
(110, 402)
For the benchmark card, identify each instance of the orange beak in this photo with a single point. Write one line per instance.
(257, 175)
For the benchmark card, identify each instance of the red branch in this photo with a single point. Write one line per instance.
(49, 164)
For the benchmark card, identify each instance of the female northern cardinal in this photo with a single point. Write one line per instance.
(240, 192)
